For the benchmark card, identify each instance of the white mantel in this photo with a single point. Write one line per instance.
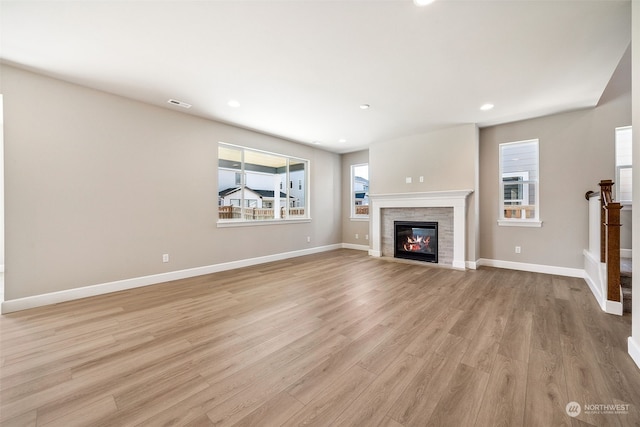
(456, 199)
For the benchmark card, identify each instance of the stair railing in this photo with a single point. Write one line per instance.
(610, 238)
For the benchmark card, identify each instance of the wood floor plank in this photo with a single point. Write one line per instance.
(372, 405)
(331, 402)
(312, 384)
(419, 399)
(460, 404)
(334, 338)
(546, 399)
(516, 339)
(503, 402)
(277, 410)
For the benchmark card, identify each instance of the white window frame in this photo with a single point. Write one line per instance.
(352, 195)
(627, 203)
(519, 222)
(221, 223)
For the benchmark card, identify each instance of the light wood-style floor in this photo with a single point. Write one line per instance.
(332, 339)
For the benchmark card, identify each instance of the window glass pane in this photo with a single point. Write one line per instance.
(229, 183)
(360, 186)
(263, 174)
(297, 193)
(256, 186)
(624, 184)
(624, 163)
(519, 180)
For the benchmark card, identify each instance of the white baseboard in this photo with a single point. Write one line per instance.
(595, 290)
(472, 265)
(613, 307)
(534, 268)
(593, 276)
(136, 282)
(356, 247)
(634, 350)
(625, 253)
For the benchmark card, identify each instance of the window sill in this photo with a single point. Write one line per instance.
(227, 224)
(359, 218)
(519, 223)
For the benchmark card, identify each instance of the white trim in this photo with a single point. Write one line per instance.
(519, 223)
(624, 253)
(241, 223)
(534, 268)
(356, 247)
(595, 274)
(457, 199)
(360, 218)
(472, 265)
(136, 282)
(375, 253)
(352, 210)
(613, 307)
(536, 142)
(634, 350)
(592, 273)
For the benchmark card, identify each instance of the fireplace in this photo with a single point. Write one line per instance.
(416, 240)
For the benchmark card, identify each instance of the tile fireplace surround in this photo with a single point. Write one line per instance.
(433, 199)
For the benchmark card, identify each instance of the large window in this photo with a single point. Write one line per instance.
(519, 200)
(260, 186)
(623, 164)
(360, 191)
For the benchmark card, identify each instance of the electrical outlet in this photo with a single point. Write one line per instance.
(308, 239)
(165, 257)
(408, 180)
(357, 236)
(518, 249)
(422, 179)
(366, 237)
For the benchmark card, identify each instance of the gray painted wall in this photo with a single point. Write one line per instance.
(446, 158)
(98, 187)
(352, 227)
(576, 152)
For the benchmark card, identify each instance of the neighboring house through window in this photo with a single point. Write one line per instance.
(252, 185)
(360, 191)
(519, 190)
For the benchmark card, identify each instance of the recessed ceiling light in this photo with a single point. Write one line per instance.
(486, 107)
(365, 106)
(342, 140)
(316, 142)
(179, 103)
(422, 2)
(233, 103)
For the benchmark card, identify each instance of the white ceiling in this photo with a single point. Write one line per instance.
(301, 68)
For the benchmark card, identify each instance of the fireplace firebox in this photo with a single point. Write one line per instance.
(416, 240)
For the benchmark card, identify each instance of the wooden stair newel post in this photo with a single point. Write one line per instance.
(613, 251)
(605, 198)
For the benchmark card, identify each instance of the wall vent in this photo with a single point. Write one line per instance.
(179, 103)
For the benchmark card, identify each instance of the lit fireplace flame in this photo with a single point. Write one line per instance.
(416, 243)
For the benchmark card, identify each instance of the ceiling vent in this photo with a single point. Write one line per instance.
(179, 103)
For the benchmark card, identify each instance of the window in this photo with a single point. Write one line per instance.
(360, 191)
(252, 185)
(519, 200)
(623, 164)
